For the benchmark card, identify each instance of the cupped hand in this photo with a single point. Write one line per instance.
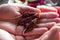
(10, 13)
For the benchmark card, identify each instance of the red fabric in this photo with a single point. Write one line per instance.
(23, 0)
(35, 3)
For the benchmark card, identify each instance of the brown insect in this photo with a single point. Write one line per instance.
(29, 21)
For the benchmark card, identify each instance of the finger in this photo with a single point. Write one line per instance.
(36, 31)
(13, 36)
(10, 11)
(47, 9)
(32, 37)
(19, 38)
(57, 24)
(57, 36)
(19, 30)
(29, 10)
(57, 20)
(52, 32)
(49, 15)
(8, 27)
(4, 35)
(50, 35)
(48, 25)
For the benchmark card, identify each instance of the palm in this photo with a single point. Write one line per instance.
(18, 31)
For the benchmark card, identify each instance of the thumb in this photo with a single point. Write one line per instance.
(29, 10)
(50, 35)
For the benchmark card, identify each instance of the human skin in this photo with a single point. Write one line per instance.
(8, 23)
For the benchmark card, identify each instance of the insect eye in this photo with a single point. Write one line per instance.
(31, 14)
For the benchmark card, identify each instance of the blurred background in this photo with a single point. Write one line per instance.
(33, 3)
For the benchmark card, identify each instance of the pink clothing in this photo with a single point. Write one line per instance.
(35, 3)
